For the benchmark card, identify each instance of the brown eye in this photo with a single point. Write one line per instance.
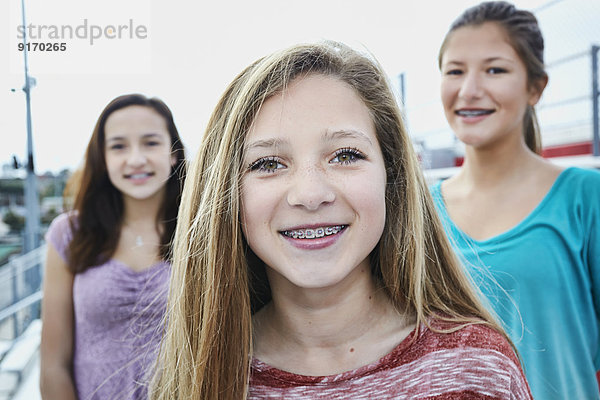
(496, 70)
(116, 146)
(267, 164)
(347, 156)
(270, 165)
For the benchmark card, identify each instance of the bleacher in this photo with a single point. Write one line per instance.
(20, 360)
(20, 326)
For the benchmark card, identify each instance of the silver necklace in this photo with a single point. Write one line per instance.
(139, 240)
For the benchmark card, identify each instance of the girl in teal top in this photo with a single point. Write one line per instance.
(526, 229)
(542, 277)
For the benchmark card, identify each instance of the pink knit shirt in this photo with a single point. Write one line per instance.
(474, 362)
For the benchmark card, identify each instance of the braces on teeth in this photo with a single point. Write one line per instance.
(473, 113)
(314, 233)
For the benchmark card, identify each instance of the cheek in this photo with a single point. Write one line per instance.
(255, 206)
(513, 94)
(244, 212)
(370, 204)
(111, 165)
(368, 196)
(446, 93)
(167, 160)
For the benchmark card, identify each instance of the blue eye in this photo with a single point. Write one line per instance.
(347, 156)
(266, 164)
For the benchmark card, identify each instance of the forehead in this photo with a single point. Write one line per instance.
(487, 40)
(133, 120)
(311, 105)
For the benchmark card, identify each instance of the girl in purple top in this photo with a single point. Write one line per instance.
(106, 277)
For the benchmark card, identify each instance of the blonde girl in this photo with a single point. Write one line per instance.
(309, 261)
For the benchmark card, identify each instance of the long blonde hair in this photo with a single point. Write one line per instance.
(217, 282)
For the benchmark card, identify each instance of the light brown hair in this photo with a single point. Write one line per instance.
(217, 282)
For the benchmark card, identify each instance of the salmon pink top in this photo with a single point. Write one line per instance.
(474, 362)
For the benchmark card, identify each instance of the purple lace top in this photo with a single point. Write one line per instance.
(117, 327)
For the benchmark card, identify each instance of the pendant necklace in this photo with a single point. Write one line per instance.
(139, 240)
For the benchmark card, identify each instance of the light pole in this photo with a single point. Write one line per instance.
(32, 219)
(402, 83)
(595, 101)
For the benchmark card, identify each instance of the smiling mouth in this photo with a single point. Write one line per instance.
(473, 113)
(314, 233)
(139, 176)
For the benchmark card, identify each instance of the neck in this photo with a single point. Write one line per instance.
(141, 213)
(324, 331)
(330, 324)
(503, 162)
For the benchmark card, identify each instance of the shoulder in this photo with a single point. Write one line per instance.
(579, 188)
(63, 220)
(64, 223)
(60, 232)
(472, 354)
(451, 336)
(435, 190)
(587, 179)
(435, 187)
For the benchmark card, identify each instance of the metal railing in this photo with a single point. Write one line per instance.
(20, 292)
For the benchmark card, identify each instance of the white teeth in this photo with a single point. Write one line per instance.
(138, 176)
(314, 233)
(473, 113)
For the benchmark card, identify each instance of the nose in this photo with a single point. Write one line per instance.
(136, 157)
(471, 86)
(310, 188)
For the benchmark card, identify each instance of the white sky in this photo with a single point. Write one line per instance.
(194, 49)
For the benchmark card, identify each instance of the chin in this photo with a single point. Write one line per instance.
(472, 140)
(318, 281)
(140, 196)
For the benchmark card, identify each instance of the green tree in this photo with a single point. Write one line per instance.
(49, 216)
(13, 186)
(15, 222)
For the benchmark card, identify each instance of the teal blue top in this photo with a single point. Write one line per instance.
(548, 269)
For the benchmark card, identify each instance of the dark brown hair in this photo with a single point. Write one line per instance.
(524, 35)
(98, 204)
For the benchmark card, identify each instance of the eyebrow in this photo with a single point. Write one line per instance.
(486, 61)
(144, 136)
(328, 137)
(266, 144)
(347, 133)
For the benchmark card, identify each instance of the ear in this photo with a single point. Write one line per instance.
(173, 160)
(536, 90)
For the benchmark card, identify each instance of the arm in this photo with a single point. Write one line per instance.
(592, 233)
(57, 330)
